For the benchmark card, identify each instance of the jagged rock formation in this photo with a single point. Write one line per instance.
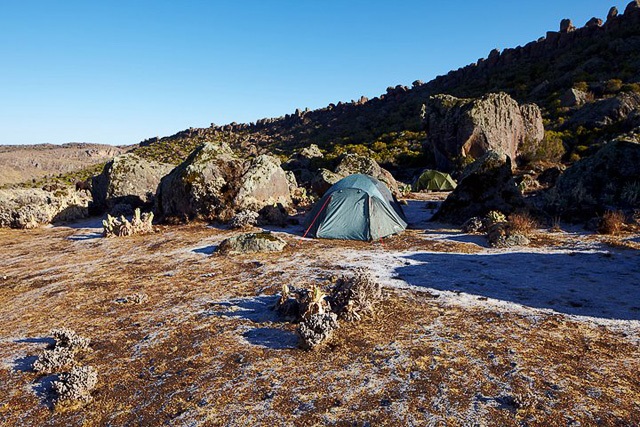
(353, 164)
(31, 207)
(486, 185)
(127, 179)
(532, 72)
(462, 128)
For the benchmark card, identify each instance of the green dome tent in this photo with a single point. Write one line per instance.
(434, 180)
(358, 207)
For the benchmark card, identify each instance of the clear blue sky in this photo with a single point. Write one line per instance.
(118, 72)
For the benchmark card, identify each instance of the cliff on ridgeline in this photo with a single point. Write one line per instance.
(563, 73)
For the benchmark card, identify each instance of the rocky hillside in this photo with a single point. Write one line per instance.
(564, 72)
(20, 163)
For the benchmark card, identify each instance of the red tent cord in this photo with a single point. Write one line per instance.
(316, 217)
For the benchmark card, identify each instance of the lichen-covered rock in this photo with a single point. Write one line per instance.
(252, 243)
(461, 128)
(127, 179)
(500, 236)
(607, 180)
(202, 186)
(473, 225)
(29, 208)
(75, 385)
(355, 295)
(264, 183)
(316, 329)
(244, 219)
(353, 164)
(485, 185)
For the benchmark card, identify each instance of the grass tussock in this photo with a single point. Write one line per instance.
(522, 223)
(612, 223)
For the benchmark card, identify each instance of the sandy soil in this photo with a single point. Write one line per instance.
(466, 335)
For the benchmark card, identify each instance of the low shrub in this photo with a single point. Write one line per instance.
(611, 223)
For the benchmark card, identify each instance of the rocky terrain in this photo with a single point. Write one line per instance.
(20, 163)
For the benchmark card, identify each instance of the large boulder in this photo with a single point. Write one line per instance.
(609, 179)
(323, 180)
(265, 183)
(461, 128)
(486, 185)
(30, 207)
(574, 98)
(127, 179)
(353, 163)
(202, 185)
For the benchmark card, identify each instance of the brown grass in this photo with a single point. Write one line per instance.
(612, 223)
(192, 355)
(522, 223)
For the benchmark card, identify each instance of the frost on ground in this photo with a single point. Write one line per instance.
(464, 335)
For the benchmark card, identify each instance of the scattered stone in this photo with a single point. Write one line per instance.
(499, 236)
(70, 339)
(316, 329)
(473, 225)
(251, 243)
(139, 298)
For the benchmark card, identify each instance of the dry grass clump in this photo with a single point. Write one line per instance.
(118, 227)
(67, 344)
(611, 223)
(522, 223)
(75, 385)
(351, 297)
(355, 295)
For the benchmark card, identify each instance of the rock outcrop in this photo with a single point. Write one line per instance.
(607, 180)
(573, 98)
(486, 185)
(127, 180)
(29, 208)
(214, 184)
(607, 111)
(467, 128)
(202, 185)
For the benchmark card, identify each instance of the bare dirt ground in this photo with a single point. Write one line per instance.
(466, 334)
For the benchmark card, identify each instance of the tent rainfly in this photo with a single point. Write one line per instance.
(435, 181)
(358, 207)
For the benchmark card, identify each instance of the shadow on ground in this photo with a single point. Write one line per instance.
(273, 338)
(596, 284)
